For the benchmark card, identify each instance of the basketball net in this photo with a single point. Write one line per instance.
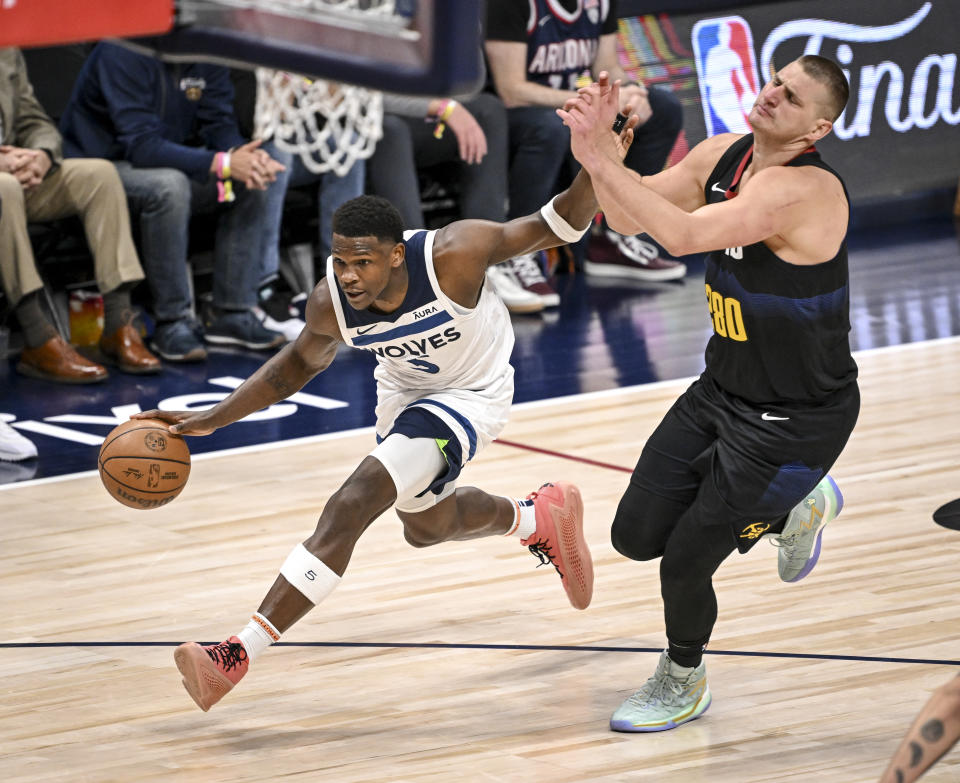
(328, 124)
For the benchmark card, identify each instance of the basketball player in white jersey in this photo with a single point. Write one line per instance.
(444, 385)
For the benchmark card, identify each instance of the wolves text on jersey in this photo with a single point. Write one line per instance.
(416, 347)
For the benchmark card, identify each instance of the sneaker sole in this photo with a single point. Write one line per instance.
(203, 682)
(577, 561)
(815, 555)
(647, 275)
(217, 339)
(627, 726)
(549, 300)
(196, 355)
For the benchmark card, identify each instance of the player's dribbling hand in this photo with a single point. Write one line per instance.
(181, 422)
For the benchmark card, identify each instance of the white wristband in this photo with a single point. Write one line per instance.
(558, 225)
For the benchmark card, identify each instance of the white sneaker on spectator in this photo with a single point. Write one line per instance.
(290, 328)
(505, 285)
(13, 446)
(614, 255)
(529, 274)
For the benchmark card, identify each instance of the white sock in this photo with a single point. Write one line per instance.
(524, 519)
(258, 635)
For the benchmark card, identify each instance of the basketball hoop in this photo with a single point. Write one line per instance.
(328, 124)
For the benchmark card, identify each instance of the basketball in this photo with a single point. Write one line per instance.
(143, 465)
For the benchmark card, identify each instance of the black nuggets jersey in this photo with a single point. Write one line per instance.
(780, 329)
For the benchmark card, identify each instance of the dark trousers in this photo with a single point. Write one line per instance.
(712, 478)
(540, 159)
(408, 144)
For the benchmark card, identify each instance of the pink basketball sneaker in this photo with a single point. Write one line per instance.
(559, 540)
(210, 672)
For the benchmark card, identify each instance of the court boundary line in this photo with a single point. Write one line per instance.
(524, 647)
(581, 396)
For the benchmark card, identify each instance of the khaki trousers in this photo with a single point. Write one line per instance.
(86, 187)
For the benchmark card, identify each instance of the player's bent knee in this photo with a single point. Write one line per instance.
(422, 530)
(631, 543)
(420, 537)
(643, 523)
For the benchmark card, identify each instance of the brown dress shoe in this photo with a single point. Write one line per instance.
(126, 350)
(56, 360)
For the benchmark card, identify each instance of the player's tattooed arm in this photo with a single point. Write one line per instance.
(934, 731)
(275, 378)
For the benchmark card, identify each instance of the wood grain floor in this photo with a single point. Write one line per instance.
(519, 686)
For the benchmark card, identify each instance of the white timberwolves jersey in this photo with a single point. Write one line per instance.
(432, 349)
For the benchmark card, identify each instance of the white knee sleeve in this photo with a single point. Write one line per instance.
(413, 464)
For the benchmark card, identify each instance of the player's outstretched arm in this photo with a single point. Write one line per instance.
(282, 375)
(934, 731)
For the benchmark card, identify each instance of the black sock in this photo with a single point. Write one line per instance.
(117, 310)
(34, 323)
(686, 654)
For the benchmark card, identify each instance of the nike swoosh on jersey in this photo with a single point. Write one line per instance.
(716, 187)
(368, 329)
(770, 417)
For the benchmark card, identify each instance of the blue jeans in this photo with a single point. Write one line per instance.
(333, 191)
(163, 200)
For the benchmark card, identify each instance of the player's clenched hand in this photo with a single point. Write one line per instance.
(181, 422)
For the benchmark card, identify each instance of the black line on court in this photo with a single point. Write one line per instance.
(533, 647)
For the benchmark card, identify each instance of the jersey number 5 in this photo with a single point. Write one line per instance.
(424, 366)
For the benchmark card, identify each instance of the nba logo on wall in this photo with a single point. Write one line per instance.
(727, 72)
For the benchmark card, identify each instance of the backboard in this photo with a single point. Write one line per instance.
(427, 47)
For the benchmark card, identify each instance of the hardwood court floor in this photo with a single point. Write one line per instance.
(519, 686)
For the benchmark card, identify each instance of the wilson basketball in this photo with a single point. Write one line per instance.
(143, 465)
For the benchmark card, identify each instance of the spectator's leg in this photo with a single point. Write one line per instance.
(483, 187)
(17, 265)
(161, 200)
(46, 354)
(236, 269)
(240, 227)
(653, 141)
(273, 217)
(392, 171)
(538, 147)
(638, 257)
(334, 191)
(90, 188)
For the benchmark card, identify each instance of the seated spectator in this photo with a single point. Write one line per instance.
(537, 63)
(37, 185)
(419, 132)
(171, 131)
(276, 308)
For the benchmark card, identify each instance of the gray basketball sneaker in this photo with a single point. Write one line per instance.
(673, 696)
(799, 542)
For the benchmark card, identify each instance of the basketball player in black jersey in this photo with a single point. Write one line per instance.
(745, 451)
